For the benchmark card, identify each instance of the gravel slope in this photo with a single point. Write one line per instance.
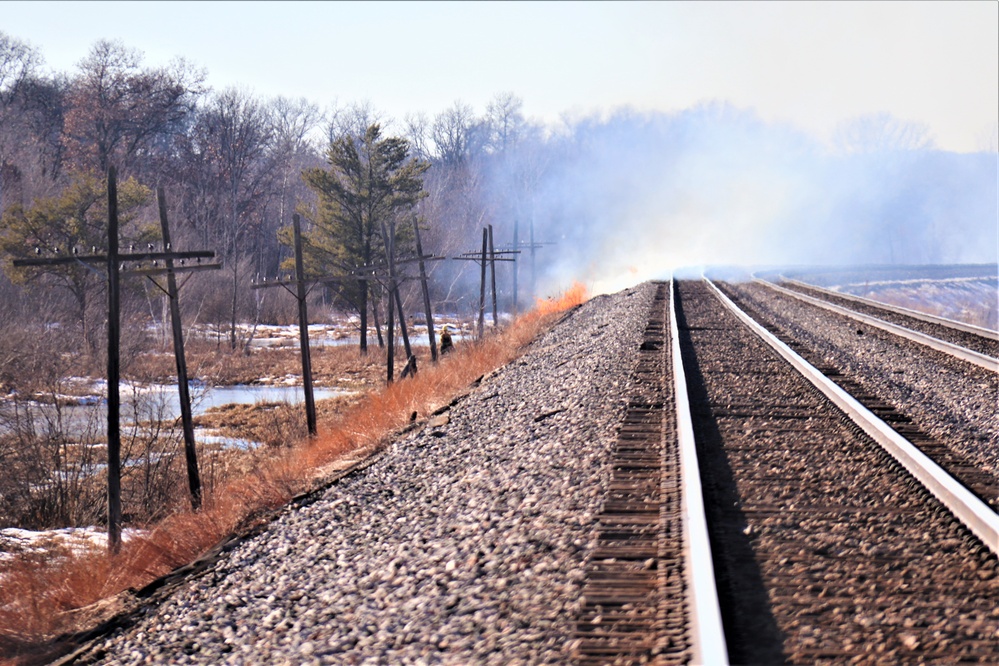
(465, 543)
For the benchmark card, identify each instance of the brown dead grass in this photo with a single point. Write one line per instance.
(42, 596)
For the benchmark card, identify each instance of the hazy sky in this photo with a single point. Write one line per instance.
(813, 64)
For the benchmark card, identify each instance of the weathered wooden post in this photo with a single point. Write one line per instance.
(395, 302)
(516, 264)
(187, 421)
(492, 274)
(482, 283)
(426, 292)
(390, 332)
(486, 254)
(113, 369)
(303, 329)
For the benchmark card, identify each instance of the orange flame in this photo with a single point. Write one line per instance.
(573, 296)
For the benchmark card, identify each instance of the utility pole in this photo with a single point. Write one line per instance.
(486, 254)
(432, 337)
(187, 421)
(303, 329)
(114, 261)
(492, 274)
(300, 294)
(362, 274)
(114, 369)
(482, 284)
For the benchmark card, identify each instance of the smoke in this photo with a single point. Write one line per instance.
(634, 196)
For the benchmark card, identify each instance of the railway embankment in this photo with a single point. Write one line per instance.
(464, 542)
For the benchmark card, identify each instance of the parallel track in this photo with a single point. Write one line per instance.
(826, 550)
(981, 340)
(985, 361)
(981, 483)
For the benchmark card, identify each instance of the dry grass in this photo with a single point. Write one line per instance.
(42, 596)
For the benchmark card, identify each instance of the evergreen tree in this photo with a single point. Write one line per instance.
(370, 181)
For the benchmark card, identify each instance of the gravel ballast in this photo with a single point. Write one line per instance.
(464, 543)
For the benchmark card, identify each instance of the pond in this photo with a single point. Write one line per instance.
(154, 402)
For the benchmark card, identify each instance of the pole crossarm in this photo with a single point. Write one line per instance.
(152, 272)
(468, 256)
(366, 273)
(102, 259)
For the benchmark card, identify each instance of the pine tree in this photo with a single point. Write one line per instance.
(370, 181)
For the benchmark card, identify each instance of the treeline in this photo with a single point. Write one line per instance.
(616, 198)
(232, 167)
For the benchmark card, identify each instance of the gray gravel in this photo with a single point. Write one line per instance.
(464, 544)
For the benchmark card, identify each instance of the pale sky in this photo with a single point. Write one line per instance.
(812, 64)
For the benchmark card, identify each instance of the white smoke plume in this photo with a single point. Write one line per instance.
(634, 196)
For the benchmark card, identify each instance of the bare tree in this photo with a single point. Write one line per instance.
(117, 108)
(231, 144)
(881, 133)
(18, 63)
(505, 119)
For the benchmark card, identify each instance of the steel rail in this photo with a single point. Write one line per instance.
(922, 316)
(981, 360)
(971, 511)
(707, 634)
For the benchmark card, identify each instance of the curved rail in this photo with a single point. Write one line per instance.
(971, 511)
(981, 360)
(707, 634)
(922, 316)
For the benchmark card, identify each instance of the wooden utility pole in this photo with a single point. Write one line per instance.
(303, 329)
(356, 274)
(516, 266)
(114, 369)
(517, 248)
(187, 421)
(395, 302)
(486, 254)
(482, 283)
(300, 294)
(114, 262)
(426, 292)
(492, 274)
(390, 326)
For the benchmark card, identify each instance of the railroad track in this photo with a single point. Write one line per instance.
(968, 343)
(642, 603)
(980, 339)
(825, 548)
(952, 418)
